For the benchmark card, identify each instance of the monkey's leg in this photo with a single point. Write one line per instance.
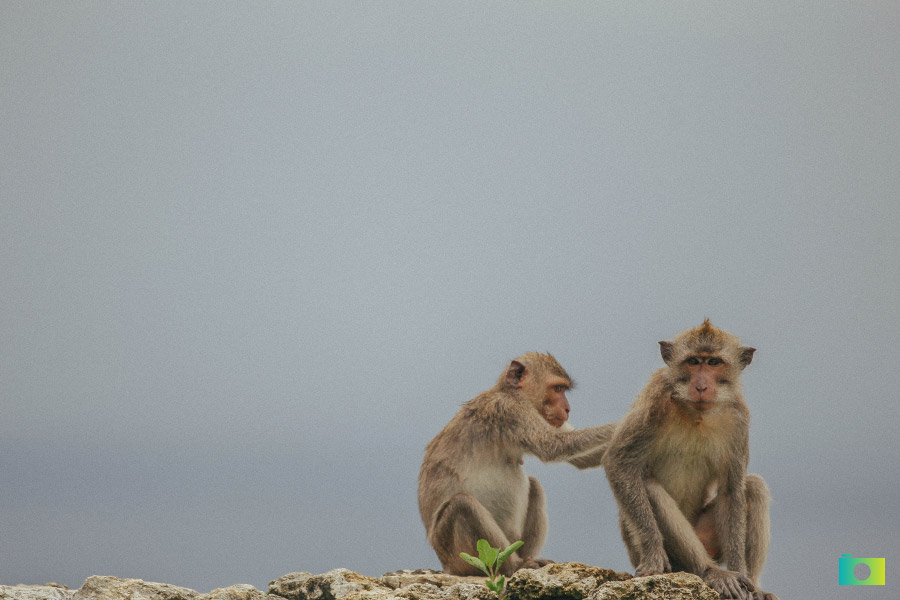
(683, 547)
(758, 534)
(460, 523)
(535, 531)
(705, 527)
(631, 543)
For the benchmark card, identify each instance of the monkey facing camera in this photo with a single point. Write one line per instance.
(677, 468)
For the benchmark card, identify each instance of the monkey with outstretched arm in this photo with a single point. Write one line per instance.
(472, 485)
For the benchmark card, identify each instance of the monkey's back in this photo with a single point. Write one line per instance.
(467, 457)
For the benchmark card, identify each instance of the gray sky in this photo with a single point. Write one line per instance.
(255, 255)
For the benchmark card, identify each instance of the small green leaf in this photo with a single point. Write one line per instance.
(508, 552)
(474, 562)
(501, 582)
(486, 553)
(493, 586)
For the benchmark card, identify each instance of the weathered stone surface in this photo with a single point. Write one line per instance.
(563, 581)
(113, 588)
(333, 585)
(404, 578)
(671, 586)
(457, 591)
(51, 591)
(290, 585)
(342, 584)
(241, 591)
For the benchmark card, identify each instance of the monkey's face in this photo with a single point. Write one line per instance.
(555, 407)
(702, 376)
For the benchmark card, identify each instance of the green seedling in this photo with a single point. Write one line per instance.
(489, 560)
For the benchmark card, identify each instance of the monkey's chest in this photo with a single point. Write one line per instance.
(502, 489)
(687, 474)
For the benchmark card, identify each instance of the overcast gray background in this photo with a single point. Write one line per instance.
(255, 255)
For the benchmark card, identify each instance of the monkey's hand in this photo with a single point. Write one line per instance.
(730, 584)
(655, 563)
(761, 595)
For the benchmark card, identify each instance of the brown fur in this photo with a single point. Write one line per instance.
(472, 484)
(677, 467)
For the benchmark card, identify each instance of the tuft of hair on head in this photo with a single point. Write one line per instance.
(543, 365)
(706, 337)
(709, 338)
(554, 368)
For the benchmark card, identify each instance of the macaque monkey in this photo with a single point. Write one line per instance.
(677, 467)
(472, 484)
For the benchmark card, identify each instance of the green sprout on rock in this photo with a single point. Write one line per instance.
(489, 560)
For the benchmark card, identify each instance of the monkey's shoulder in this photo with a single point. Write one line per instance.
(658, 382)
(479, 422)
(491, 412)
(653, 401)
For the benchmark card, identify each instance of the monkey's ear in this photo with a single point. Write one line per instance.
(667, 351)
(516, 374)
(746, 355)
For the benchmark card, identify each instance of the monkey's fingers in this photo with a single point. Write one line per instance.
(730, 585)
(736, 590)
(745, 581)
(728, 591)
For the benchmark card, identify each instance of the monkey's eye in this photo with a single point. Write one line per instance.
(559, 388)
(712, 361)
(693, 361)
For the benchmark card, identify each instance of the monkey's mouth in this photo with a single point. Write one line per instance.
(703, 405)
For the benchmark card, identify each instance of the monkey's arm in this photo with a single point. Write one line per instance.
(626, 470)
(594, 456)
(731, 527)
(550, 444)
(590, 460)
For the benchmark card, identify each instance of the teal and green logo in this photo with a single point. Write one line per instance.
(847, 567)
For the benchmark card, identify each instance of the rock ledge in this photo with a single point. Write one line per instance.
(560, 581)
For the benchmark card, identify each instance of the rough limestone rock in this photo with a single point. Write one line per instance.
(563, 581)
(333, 585)
(288, 586)
(426, 584)
(51, 591)
(342, 584)
(404, 578)
(241, 591)
(113, 588)
(670, 586)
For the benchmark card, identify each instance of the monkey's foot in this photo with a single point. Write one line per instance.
(730, 584)
(761, 595)
(535, 563)
(653, 566)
